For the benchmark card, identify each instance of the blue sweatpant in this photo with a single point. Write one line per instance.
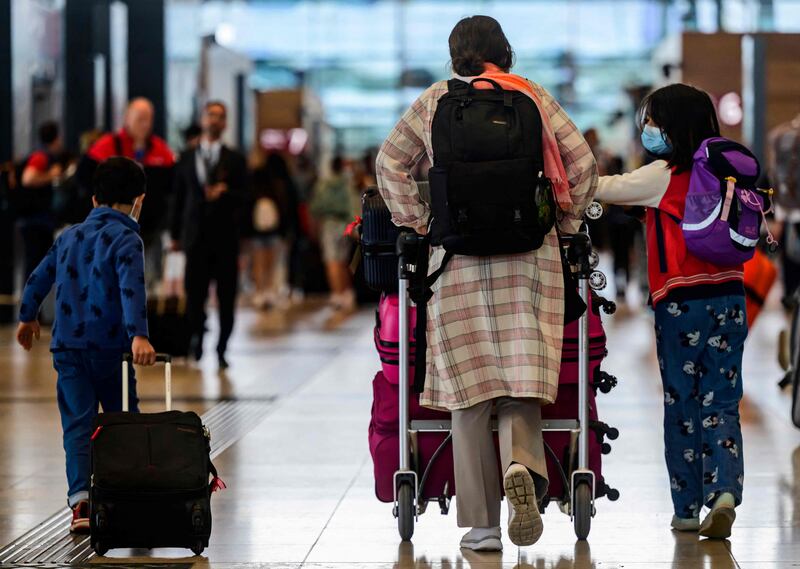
(700, 347)
(87, 379)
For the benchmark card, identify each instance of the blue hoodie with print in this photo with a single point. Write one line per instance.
(98, 269)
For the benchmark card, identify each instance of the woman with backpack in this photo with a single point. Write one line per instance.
(700, 317)
(495, 321)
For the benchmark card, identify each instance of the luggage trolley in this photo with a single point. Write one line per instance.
(580, 482)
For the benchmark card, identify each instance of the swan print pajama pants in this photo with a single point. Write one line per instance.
(700, 346)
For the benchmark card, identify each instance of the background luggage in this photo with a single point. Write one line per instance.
(785, 166)
(167, 320)
(759, 276)
(150, 478)
(168, 324)
(378, 238)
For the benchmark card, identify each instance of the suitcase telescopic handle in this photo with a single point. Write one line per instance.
(127, 360)
(166, 358)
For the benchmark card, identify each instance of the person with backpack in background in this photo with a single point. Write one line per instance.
(136, 140)
(98, 269)
(332, 207)
(33, 198)
(495, 320)
(273, 201)
(696, 287)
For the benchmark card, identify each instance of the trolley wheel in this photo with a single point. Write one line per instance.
(405, 511)
(582, 516)
(198, 548)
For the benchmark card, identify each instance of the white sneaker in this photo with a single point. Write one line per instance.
(685, 524)
(482, 539)
(719, 521)
(525, 525)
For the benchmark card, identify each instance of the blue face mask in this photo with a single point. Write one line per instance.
(655, 142)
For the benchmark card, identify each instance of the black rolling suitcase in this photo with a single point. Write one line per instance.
(150, 482)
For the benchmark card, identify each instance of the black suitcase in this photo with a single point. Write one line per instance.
(150, 478)
(168, 324)
(378, 238)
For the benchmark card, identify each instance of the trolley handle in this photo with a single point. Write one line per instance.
(127, 360)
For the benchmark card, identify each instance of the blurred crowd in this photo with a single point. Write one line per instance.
(268, 229)
(287, 216)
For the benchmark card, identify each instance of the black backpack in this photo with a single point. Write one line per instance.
(489, 195)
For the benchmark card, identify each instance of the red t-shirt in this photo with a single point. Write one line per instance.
(39, 161)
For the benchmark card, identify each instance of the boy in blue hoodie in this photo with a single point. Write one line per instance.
(98, 269)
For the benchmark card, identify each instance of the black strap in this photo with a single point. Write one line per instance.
(574, 305)
(421, 292)
(662, 247)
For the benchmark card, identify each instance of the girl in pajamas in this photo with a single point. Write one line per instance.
(700, 317)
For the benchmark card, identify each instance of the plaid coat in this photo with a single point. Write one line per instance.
(495, 324)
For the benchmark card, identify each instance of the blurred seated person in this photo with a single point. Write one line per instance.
(42, 171)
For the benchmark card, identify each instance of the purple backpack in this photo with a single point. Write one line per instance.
(722, 221)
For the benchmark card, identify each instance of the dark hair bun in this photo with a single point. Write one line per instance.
(478, 40)
(468, 64)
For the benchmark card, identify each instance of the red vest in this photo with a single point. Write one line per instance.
(670, 265)
(157, 154)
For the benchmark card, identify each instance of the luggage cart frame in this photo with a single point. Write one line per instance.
(580, 484)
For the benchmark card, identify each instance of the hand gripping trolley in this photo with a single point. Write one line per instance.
(574, 473)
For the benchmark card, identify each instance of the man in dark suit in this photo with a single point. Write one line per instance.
(210, 186)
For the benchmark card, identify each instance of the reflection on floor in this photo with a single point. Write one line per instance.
(300, 483)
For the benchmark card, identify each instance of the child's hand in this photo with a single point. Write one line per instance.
(26, 332)
(143, 352)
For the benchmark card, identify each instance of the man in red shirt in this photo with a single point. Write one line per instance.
(135, 140)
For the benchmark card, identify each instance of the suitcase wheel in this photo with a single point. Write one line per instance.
(100, 519)
(198, 548)
(100, 549)
(198, 520)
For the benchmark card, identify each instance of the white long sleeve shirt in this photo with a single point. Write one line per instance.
(645, 186)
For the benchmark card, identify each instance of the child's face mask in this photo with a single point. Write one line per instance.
(655, 141)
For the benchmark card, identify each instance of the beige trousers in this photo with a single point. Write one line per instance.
(478, 492)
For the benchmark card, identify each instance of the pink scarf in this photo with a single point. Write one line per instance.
(553, 165)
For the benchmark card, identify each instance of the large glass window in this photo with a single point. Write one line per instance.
(367, 60)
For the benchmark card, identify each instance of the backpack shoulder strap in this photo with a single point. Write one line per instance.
(421, 293)
(117, 144)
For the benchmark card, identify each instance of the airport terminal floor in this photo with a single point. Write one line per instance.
(289, 422)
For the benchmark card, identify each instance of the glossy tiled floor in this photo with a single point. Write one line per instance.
(300, 483)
